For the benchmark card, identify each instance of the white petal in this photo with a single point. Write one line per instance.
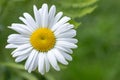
(19, 53)
(68, 34)
(15, 35)
(67, 56)
(30, 20)
(57, 31)
(21, 48)
(66, 44)
(26, 23)
(19, 29)
(37, 16)
(41, 63)
(34, 62)
(60, 22)
(15, 39)
(72, 40)
(60, 57)
(52, 60)
(51, 16)
(11, 46)
(44, 15)
(22, 26)
(57, 17)
(21, 58)
(29, 61)
(64, 49)
(63, 28)
(47, 64)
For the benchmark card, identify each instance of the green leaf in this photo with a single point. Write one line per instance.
(75, 23)
(49, 76)
(13, 65)
(27, 75)
(77, 8)
(86, 11)
(77, 3)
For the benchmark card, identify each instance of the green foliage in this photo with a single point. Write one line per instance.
(97, 57)
(77, 8)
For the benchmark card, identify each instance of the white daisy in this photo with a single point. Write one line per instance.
(44, 41)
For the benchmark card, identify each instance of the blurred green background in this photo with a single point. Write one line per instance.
(98, 31)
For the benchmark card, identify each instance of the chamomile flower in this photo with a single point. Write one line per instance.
(43, 41)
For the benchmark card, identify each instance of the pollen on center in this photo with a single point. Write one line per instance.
(42, 39)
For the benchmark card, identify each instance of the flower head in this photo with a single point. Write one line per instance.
(43, 41)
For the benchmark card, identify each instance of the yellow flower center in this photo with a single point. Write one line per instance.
(42, 39)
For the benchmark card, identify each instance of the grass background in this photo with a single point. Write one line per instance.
(98, 53)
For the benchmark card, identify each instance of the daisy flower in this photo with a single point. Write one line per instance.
(43, 41)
